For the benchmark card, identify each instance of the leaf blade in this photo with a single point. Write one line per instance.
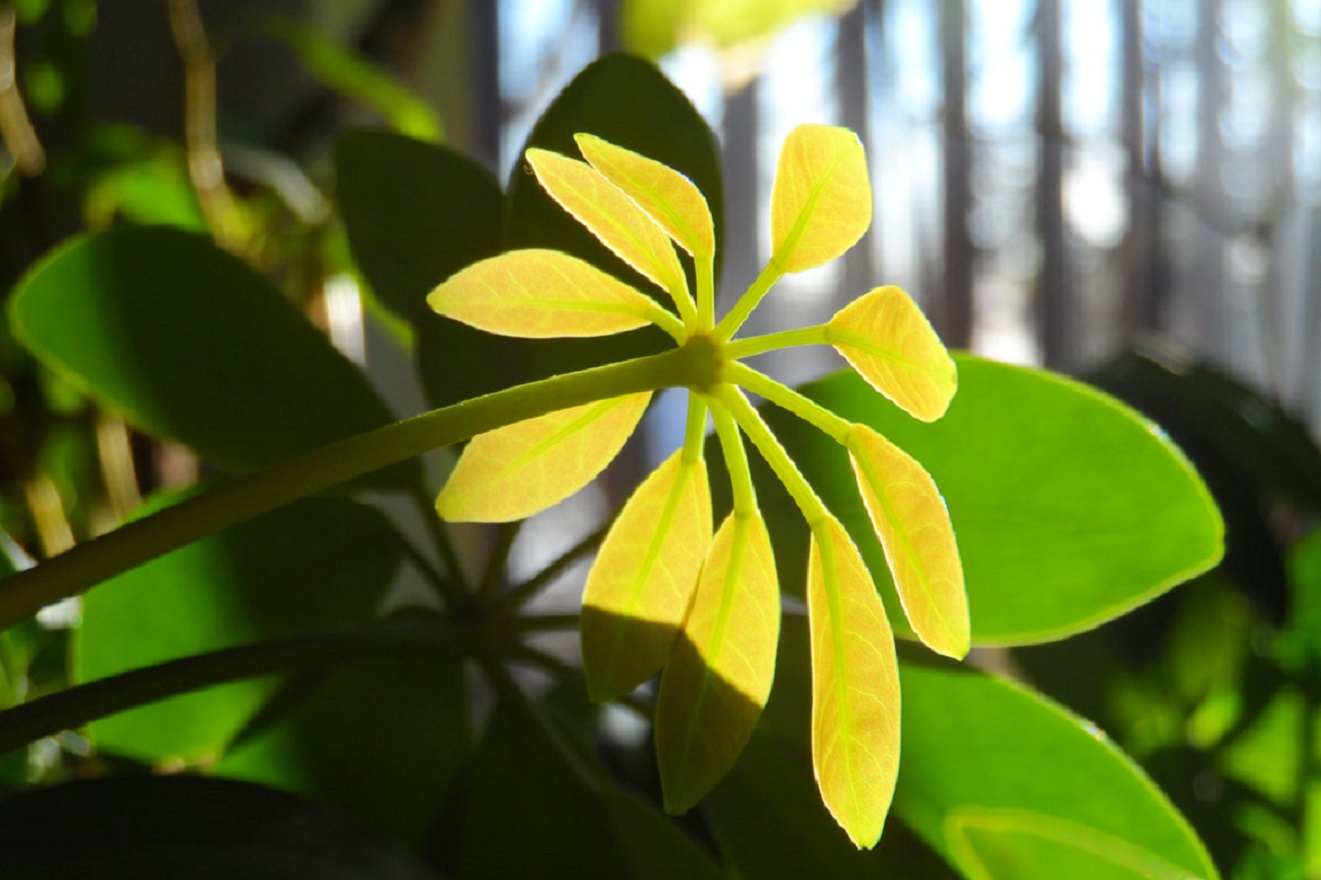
(719, 675)
(887, 339)
(640, 585)
(821, 200)
(910, 518)
(855, 688)
(541, 294)
(518, 470)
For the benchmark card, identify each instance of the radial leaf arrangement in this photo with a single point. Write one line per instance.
(671, 593)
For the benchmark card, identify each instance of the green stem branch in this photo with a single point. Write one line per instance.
(729, 325)
(781, 395)
(755, 345)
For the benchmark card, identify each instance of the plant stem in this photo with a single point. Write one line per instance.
(539, 581)
(694, 364)
(494, 576)
(729, 325)
(706, 293)
(736, 462)
(808, 410)
(755, 345)
(83, 703)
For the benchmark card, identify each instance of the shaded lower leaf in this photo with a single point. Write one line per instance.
(644, 575)
(855, 688)
(513, 472)
(720, 671)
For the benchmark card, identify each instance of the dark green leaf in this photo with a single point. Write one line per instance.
(975, 744)
(316, 564)
(188, 342)
(188, 828)
(1069, 508)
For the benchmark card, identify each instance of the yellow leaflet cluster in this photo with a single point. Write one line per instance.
(667, 593)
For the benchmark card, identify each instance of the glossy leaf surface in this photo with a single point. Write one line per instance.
(974, 744)
(644, 575)
(611, 216)
(541, 294)
(719, 674)
(855, 688)
(668, 197)
(1069, 508)
(821, 201)
(888, 340)
(913, 525)
(239, 586)
(513, 472)
(190, 343)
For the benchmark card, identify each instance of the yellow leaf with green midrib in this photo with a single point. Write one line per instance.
(888, 340)
(644, 575)
(719, 674)
(855, 687)
(612, 217)
(518, 470)
(668, 197)
(911, 520)
(542, 294)
(821, 200)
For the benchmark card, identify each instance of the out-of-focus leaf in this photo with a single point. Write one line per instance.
(541, 294)
(190, 343)
(654, 27)
(354, 77)
(513, 472)
(719, 675)
(1069, 508)
(241, 585)
(668, 197)
(888, 340)
(189, 828)
(974, 742)
(644, 575)
(380, 739)
(911, 520)
(821, 201)
(855, 689)
(415, 213)
(611, 216)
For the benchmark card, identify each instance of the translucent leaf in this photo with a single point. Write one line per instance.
(888, 340)
(513, 472)
(668, 197)
(855, 689)
(719, 675)
(541, 294)
(611, 216)
(914, 528)
(821, 201)
(643, 578)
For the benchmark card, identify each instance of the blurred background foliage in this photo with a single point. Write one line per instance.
(1127, 190)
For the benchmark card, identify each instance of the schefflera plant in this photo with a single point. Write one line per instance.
(668, 592)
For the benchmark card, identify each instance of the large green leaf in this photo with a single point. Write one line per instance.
(190, 343)
(1068, 507)
(316, 564)
(994, 774)
(189, 828)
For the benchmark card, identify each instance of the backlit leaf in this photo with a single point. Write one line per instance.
(914, 527)
(541, 294)
(888, 340)
(611, 216)
(644, 576)
(515, 471)
(668, 197)
(855, 688)
(719, 675)
(821, 201)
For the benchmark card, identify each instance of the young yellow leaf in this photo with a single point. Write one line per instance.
(855, 687)
(540, 294)
(719, 675)
(643, 577)
(668, 197)
(888, 340)
(821, 200)
(518, 470)
(910, 518)
(612, 217)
